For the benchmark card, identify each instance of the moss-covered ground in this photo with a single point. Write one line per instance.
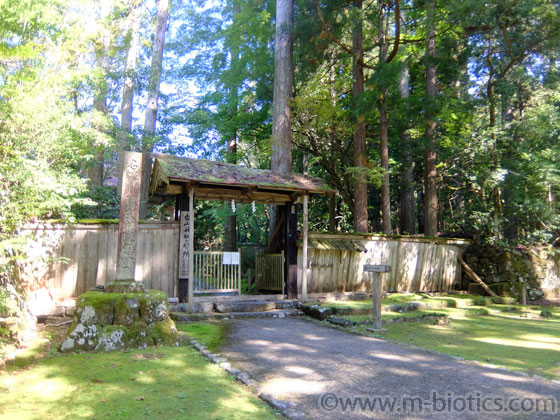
(155, 383)
(508, 335)
(210, 334)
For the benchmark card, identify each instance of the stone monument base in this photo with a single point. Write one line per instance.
(108, 321)
(125, 286)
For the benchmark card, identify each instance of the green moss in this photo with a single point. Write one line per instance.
(164, 332)
(127, 308)
(210, 334)
(102, 305)
(98, 221)
(138, 336)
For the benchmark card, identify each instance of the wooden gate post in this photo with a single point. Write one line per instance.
(183, 247)
(376, 293)
(291, 251)
(304, 248)
(191, 248)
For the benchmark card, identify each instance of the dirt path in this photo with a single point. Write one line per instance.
(321, 370)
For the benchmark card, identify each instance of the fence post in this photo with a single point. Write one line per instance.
(376, 294)
(239, 272)
(304, 248)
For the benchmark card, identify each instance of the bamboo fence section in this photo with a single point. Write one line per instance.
(211, 275)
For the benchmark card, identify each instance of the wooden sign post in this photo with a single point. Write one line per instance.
(376, 293)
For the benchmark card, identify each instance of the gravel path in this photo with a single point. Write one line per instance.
(321, 369)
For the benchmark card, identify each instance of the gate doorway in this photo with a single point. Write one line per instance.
(269, 272)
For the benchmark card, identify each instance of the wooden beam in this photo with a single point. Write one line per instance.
(474, 277)
(304, 250)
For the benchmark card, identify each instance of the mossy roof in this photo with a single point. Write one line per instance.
(168, 168)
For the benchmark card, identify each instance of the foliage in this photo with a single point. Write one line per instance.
(210, 223)
(497, 107)
(97, 203)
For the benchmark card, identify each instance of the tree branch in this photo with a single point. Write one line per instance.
(342, 45)
(397, 33)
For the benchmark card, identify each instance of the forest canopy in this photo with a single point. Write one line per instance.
(428, 117)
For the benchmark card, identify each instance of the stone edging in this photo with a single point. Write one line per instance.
(287, 408)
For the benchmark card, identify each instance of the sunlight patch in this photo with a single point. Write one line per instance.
(519, 343)
(281, 387)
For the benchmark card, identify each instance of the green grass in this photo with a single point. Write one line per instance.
(433, 302)
(511, 336)
(205, 332)
(392, 315)
(162, 382)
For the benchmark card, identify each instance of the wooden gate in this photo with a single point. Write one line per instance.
(216, 271)
(269, 272)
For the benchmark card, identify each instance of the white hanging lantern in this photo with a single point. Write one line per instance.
(253, 207)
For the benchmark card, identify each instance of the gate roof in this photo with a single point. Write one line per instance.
(171, 175)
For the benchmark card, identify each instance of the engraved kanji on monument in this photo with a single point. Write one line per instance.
(128, 226)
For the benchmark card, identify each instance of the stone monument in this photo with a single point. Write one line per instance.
(124, 315)
(128, 226)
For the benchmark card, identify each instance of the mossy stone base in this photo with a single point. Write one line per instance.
(112, 321)
(125, 286)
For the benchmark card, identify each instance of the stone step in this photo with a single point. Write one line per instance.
(276, 313)
(234, 306)
(247, 306)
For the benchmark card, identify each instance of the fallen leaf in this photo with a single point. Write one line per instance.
(103, 400)
(97, 381)
(140, 399)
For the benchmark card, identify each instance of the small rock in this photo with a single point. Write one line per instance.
(243, 377)
(442, 321)
(317, 312)
(277, 404)
(232, 371)
(546, 313)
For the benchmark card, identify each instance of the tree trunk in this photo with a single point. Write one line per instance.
(230, 236)
(384, 133)
(133, 37)
(95, 169)
(497, 192)
(281, 153)
(360, 186)
(407, 224)
(430, 154)
(333, 140)
(148, 137)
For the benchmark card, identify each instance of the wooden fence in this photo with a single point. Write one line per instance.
(212, 274)
(83, 256)
(269, 269)
(335, 263)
